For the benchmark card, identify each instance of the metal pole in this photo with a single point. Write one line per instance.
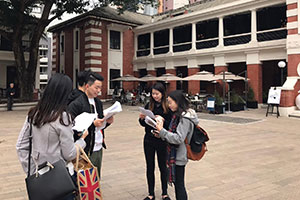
(281, 76)
(228, 97)
(224, 86)
(246, 87)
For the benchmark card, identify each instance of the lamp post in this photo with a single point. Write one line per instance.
(281, 65)
(229, 81)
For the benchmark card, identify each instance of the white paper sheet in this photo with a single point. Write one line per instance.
(83, 121)
(146, 112)
(112, 110)
(150, 122)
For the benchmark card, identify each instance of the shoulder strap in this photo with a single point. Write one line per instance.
(30, 147)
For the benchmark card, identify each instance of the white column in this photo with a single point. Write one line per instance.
(135, 45)
(151, 43)
(171, 40)
(221, 32)
(253, 26)
(194, 36)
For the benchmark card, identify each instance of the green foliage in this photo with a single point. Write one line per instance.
(251, 96)
(219, 100)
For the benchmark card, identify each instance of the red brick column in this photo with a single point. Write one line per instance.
(288, 96)
(219, 69)
(171, 84)
(193, 86)
(255, 75)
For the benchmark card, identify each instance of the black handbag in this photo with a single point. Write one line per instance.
(54, 184)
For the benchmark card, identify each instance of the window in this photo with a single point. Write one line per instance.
(43, 53)
(115, 40)
(76, 40)
(62, 44)
(114, 73)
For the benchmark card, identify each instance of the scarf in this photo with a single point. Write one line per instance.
(171, 152)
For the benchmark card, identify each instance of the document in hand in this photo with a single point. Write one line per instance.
(150, 122)
(146, 112)
(112, 110)
(83, 121)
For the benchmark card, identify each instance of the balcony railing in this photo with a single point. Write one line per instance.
(161, 50)
(142, 52)
(182, 47)
(237, 39)
(207, 43)
(273, 34)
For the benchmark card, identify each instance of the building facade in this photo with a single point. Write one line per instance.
(100, 40)
(244, 36)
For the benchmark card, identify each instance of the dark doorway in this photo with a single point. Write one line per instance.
(271, 74)
(182, 72)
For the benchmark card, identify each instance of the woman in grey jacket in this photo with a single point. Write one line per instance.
(181, 127)
(52, 135)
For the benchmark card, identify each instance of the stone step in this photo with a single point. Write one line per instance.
(296, 114)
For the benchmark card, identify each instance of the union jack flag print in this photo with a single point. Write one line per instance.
(89, 186)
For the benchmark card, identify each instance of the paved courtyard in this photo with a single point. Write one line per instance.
(249, 157)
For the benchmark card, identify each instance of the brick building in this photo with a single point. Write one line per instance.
(240, 36)
(100, 40)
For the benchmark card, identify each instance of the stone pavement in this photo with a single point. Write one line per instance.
(254, 159)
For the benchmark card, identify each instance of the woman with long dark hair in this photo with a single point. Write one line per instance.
(158, 105)
(52, 135)
(180, 128)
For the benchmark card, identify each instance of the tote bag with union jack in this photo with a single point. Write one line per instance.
(87, 177)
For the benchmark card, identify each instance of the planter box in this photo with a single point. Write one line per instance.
(252, 104)
(237, 107)
(219, 109)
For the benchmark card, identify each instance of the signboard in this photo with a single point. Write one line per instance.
(274, 95)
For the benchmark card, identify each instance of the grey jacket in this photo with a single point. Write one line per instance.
(184, 129)
(51, 142)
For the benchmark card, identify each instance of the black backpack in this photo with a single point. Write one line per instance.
(197, 146)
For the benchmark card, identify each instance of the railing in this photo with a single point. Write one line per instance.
(143, 52)
(182, 47)
(161, 49)
(237, 39)
(273, 34)
(207, 43)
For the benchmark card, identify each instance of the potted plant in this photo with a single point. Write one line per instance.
(251, 102)
(237, 103)
(219, 104)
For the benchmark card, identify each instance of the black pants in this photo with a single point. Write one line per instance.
(9, 103)
(179, 183)
(152, 145)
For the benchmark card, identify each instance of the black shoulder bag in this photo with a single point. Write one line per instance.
(50, 181)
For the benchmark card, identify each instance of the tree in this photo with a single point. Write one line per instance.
(17, 21)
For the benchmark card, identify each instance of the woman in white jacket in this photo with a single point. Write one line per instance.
(52, 135)
(181, 127)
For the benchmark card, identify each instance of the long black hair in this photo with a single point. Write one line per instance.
(161, 88)
(181, 101)
(53, 102)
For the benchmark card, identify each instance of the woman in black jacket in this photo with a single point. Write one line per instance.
(158, 105)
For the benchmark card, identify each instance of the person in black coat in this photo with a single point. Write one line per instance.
(88, 102)
(81, 81)
(10, 93)
(152, 144)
